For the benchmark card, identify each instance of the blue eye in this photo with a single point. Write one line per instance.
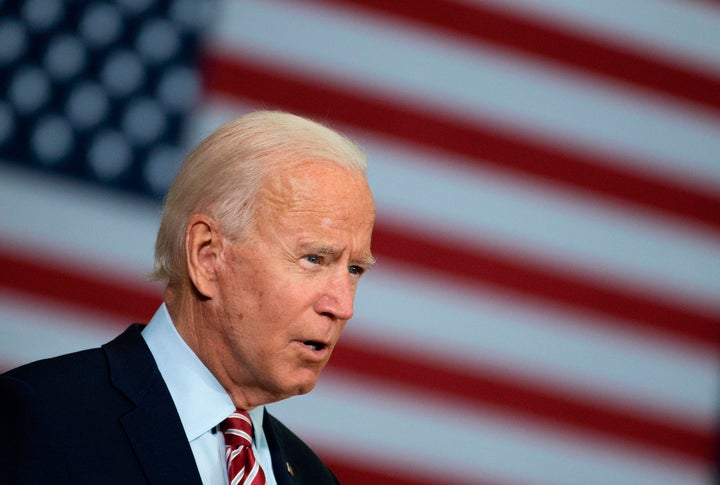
(313, 258)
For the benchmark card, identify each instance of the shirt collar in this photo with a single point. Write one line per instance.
(200, 400)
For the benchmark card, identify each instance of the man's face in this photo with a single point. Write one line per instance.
(286, 295)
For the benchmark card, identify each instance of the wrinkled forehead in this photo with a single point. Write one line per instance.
(316, 184)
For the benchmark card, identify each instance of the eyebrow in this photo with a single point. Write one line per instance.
(367, 262)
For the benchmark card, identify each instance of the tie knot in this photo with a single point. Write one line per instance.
(238, 429)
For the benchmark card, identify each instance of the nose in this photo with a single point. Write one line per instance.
(337, 299)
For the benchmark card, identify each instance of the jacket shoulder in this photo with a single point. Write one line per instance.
(70, 374)
(69, 407)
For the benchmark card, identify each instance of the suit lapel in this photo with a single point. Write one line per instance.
(293, 462)
(282, 467)
(153, 426)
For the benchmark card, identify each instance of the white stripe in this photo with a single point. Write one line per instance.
(77, 223)
(475, 83)
(386, 427)
(232, 453)
(686, 31)
(32, 329)
(253, 473)
(242, 417)
(239, 433)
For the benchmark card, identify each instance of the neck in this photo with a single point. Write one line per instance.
(197, 323)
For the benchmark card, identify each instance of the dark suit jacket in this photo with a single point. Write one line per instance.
(106, 416)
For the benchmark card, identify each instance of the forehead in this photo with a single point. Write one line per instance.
(317, 187)
(317, 207)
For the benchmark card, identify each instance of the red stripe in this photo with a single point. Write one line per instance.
(351, 473)
(483, 144)
(134, 302)
(6, 365)
(605, 58)
(523, 399)
(480, 387)
(531, 280)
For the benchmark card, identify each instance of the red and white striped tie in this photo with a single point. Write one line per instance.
(243, 468)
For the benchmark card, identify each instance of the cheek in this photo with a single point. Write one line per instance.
(267, 304)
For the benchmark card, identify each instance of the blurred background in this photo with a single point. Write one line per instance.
(546, 305)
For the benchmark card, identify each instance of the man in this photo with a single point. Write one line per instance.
(264, 235)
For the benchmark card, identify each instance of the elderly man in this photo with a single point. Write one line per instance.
(264, 235)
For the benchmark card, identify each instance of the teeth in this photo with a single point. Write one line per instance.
(313, 345)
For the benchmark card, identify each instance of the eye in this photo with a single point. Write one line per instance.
(313, 258)
(356, 270)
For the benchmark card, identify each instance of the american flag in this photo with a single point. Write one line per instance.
(546, 304)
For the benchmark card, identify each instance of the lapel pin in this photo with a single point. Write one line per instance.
(289, 469)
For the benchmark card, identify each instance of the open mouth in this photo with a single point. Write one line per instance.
(315, 345)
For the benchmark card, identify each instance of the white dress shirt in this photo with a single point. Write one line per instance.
(201, 401)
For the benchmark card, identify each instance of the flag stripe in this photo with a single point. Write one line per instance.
(238, 77)
(348, 471)
(497, 441)
(530, 36)
(525, 399)
(33, 329)
(532, 280)
(52, 281)
(638, 23)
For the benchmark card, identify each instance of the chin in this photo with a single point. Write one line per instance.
(305, 386)
(295, 381)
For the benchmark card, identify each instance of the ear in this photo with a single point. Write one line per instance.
(203, 253)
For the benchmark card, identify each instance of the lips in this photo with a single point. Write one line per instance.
(315, 344)
(314, 350)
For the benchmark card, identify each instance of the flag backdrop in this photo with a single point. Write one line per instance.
(546, 304)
